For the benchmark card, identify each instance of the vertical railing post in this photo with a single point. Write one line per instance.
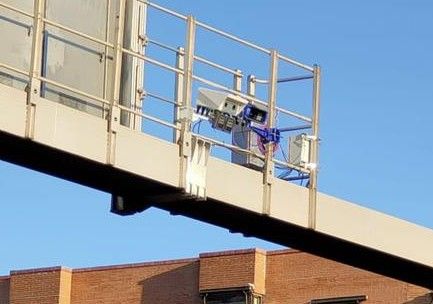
(251, 85)
(135, 40)
(137, 121)
(105, 57)
(237, 81)
(268, 169)
(178, 92)
(34, 86)
(114, 115)
(185, 141)
(314, 150)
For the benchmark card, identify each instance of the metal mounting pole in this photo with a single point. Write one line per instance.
(185, 140)
(34, 86)
(314, 150)
(268, 169)
(114, 115)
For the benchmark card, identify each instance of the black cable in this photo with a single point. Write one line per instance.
(197, 123)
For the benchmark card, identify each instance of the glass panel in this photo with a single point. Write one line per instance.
(257, 300)
(16, 32)
(226, 298)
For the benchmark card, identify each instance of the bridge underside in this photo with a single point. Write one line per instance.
(72, 145)
(109, 179)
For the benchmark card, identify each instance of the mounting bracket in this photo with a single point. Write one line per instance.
(196, 170)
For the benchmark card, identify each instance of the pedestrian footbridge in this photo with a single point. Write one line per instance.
(77, 102)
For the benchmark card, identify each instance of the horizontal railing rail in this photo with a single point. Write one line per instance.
(233, 37)
(13, 69)
(75, 32)
(73, 90)
(217, 66)
(159, 97)
(16, 10)
(162, 45)
(163, 9)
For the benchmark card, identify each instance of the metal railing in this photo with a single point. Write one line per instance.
(185, 77)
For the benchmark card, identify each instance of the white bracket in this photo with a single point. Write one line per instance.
(185, 114)
(115, 119)
(113, 127)
(196, 170)
(143, 40)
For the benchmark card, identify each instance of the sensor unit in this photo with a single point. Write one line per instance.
(225, 110)
(299, 150)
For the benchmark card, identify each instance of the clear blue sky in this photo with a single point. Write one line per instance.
(376, 130)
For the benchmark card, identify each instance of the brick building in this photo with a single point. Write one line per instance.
(236, 277)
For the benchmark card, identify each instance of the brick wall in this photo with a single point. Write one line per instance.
(228, 269)
(149, 283)
(65, 286)
(418, 295)
(4, 290)
(260, 272)
(295, 277)
(39, 286)
(284, 277)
